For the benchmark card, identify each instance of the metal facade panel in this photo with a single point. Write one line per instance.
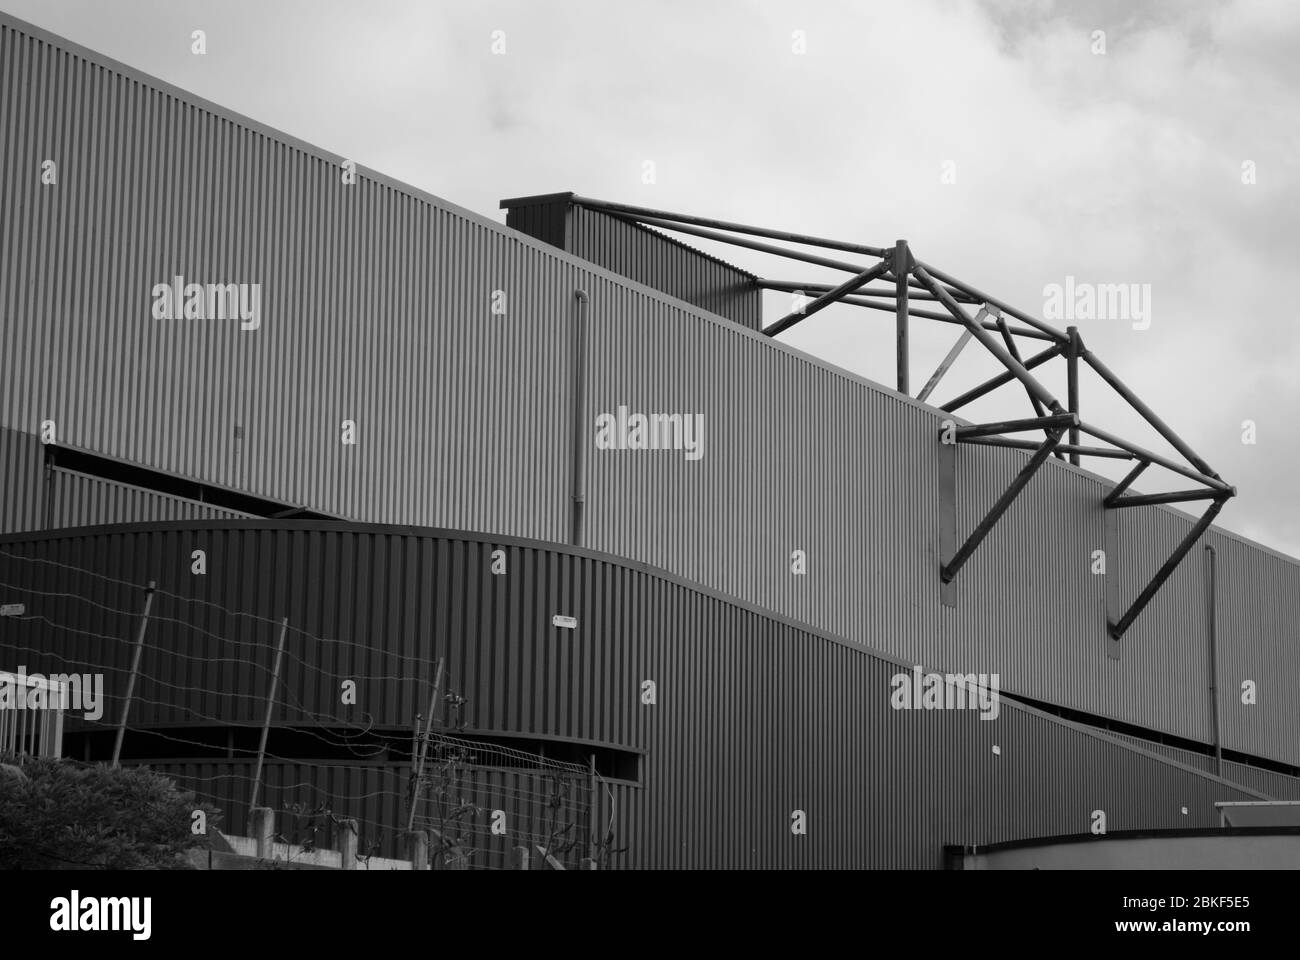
(377, 309)
(545, 221)
(22, 481)
(754, 718)
(1258, 600)
(642, 254)
(658, 261)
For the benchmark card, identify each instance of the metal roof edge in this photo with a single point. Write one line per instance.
(417, 193)
(566, 198)
(337, 526)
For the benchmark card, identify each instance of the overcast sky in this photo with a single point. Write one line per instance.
(1011, 144)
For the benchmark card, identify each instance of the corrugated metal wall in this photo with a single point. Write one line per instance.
(377, 308)
(662, 263)
(22, 481)
(547, 222)
(78, 500)
(754, 718)
(644, 255)
(641, 254)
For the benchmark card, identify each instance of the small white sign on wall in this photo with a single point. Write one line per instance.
(569, 623)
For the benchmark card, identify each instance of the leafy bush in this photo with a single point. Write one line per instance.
(58, 815)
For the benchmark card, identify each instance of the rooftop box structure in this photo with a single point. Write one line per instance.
(640, 254)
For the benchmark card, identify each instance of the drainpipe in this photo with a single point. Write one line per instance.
(578, 489)
(1212, 621)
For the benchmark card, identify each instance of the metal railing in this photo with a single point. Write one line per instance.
(31, 716)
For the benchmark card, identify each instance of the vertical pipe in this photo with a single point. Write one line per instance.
(135, 670)
(947, 517)
(1072, 387)
(578, 486)
(1212, 626)
(901, 270)
(270, 708)
(48, 523)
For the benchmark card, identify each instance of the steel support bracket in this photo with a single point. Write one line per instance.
(949, 569)
(1017, 426)
(1118, 628)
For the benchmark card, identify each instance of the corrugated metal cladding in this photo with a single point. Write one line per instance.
(1278, 785)
(37, 498)
(754, 718)
(641, 254)
(78, 500)
(22, 481)
(547, 221)
(377, 309)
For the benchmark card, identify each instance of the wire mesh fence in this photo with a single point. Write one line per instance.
(484, 803)
(245, 710)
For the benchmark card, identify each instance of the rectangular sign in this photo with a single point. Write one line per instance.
(12, 609)
(570, 623)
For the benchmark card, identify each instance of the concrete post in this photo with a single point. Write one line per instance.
(417, 845)
(348, 844)
(263, 821)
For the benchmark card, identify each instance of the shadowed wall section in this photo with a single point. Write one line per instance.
(754, 717)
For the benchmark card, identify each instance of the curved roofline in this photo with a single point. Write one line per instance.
(379, 529)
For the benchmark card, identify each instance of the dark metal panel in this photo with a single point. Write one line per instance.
(545, 221)
(641, 254)
(756, 717)
(382, 296)
(22, 478)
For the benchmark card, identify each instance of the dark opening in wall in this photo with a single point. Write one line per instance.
(337, 745)
(117, 471)
(1156, 738)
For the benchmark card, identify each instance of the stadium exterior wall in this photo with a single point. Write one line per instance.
(377, 309)
(641, 254)
(78, 501)
(755, 716)
(22, 479)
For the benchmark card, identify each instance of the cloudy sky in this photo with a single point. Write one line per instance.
(1013, 144)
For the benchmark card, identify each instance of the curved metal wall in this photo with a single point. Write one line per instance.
(755, 716)
(378, 309)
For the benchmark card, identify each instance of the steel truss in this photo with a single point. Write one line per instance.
(907, 281)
